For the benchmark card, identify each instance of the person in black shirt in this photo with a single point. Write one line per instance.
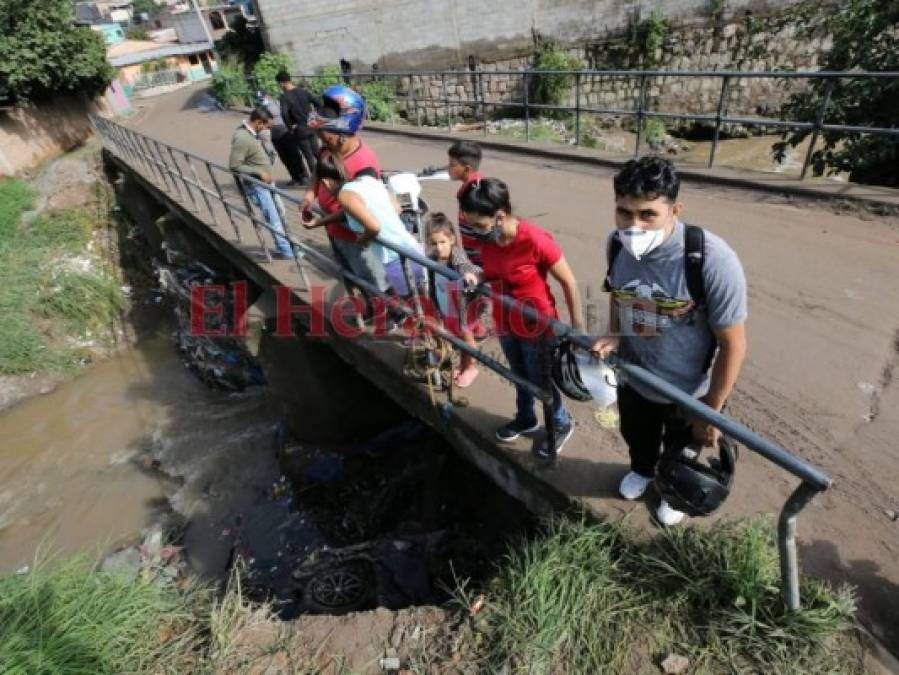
(296, 104)
(284, 142)
(346, 69)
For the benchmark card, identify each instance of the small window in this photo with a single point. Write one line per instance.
(194, 60)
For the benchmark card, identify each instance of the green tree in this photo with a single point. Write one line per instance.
(553, 88)
(43, 54)
(865, 37)
(242, 43)
(146, 7)
(137, 33)
(229, 84)
(651, 35)
(267, 67)
(325, 78)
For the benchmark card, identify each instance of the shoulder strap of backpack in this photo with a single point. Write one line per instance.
(694, 259)
(612, 251)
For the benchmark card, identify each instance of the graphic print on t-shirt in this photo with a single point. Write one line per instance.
(646, 308)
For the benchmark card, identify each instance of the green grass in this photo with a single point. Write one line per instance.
(50, 288)
(595, 598)
(579, 598)
(15, 198)
(68, 619)
(539, 130)
(654, 130)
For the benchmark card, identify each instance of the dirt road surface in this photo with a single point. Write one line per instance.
(821, 377)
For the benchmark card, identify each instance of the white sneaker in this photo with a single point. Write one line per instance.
(633, 485)
(667, 515)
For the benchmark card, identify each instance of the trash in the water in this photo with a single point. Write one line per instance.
(327, 469)
(389, 522)
(213, 353)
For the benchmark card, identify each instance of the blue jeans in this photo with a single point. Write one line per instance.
(363, 262)
(525, 361)
(263, 199)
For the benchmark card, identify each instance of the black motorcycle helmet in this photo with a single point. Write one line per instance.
(694, 487)
(566, 375)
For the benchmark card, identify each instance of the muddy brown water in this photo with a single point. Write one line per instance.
(74, 463)
(139, 440)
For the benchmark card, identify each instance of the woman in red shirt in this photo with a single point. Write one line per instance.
(516, 257)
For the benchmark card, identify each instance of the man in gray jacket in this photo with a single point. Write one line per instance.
(249, 157)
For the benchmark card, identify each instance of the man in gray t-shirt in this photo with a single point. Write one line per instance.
(657, 324)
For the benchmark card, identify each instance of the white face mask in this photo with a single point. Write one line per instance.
(638, 242)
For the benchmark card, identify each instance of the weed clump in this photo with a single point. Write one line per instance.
(595, 598)
(54, 290)
(68, 618)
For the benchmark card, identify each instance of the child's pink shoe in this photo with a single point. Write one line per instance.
(466, 377)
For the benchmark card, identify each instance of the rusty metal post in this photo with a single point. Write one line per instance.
(446, 107)
(641, 115)
(577, 108)
(527, 106)
(722, 102)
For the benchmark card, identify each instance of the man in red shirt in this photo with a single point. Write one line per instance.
(337, 124)
(516, 258)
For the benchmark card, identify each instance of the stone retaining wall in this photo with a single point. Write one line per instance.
(749, 44)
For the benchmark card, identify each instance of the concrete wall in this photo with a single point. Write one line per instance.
(189, 27)
(30, 136)
(416, 34)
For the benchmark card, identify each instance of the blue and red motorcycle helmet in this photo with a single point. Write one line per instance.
(342, 112)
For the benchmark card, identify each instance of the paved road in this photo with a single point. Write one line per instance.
(823, 339)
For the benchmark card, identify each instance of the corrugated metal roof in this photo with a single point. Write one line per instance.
(138, 51)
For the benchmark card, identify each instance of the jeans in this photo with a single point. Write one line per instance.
(363, 262)
(397, 279)
(526, 360)
(263, 199)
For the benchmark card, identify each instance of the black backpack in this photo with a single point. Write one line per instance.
(694, 259)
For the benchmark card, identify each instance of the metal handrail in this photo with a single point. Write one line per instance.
(136, 151)
(641, 112)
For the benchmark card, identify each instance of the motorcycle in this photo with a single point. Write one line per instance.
(406, 187)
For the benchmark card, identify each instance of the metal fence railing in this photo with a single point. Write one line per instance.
(159, 78)
(477, 99)
(213, 193)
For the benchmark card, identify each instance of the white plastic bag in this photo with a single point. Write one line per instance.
(598, 378)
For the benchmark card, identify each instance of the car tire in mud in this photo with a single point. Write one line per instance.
(343, 588)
